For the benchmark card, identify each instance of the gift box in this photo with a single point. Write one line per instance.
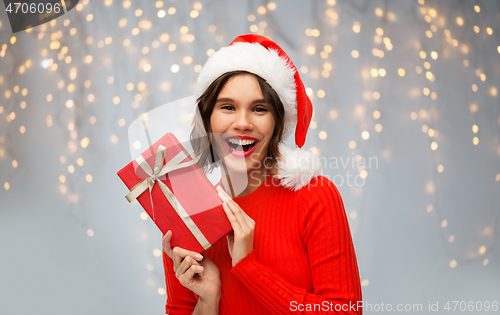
(177, 195)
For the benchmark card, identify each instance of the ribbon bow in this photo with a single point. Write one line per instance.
(154, 177)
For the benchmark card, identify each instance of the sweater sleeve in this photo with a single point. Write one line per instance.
(333, 265)
(180, 300)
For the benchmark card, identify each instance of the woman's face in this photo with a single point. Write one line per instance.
(242, 124)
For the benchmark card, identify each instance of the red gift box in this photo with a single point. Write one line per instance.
(177, 195)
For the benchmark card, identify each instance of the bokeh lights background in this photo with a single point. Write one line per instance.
(406, 121)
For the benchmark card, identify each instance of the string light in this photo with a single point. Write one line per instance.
(333, 114)
(85, 142)
(79, 162)
(356, 27)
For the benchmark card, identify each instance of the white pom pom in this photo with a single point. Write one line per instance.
(296, 167)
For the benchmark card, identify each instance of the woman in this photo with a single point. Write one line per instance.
(291, 249)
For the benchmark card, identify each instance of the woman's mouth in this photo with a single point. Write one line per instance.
(241, 147)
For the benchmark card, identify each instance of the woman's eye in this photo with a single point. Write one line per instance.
(261, 109)
(228, 107)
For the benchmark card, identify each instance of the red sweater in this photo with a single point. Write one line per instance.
(303, 260)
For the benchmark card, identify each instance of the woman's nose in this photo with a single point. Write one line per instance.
(242, 121)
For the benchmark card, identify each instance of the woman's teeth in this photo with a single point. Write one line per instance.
(238, 144)
(241, 142)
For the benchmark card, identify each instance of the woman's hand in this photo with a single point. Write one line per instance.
(197, 273)
(240, 242)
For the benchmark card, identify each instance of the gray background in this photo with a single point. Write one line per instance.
(50, 265)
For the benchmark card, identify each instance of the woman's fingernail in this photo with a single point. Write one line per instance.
(222, 191)
(221, 196)
(169, 233)
(199, 257)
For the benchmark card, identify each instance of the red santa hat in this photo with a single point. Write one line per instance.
(263, 57)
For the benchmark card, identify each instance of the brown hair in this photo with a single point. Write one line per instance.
(200, 134)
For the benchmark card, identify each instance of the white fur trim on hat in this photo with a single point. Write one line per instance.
(296, 167)
(257, 59)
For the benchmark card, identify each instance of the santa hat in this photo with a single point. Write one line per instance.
(261, 56)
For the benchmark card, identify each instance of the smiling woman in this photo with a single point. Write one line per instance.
(245, 96)
(244, 118)
(291, 248)
(243, 124)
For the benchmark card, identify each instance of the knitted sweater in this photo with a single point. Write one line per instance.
(303, 261)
